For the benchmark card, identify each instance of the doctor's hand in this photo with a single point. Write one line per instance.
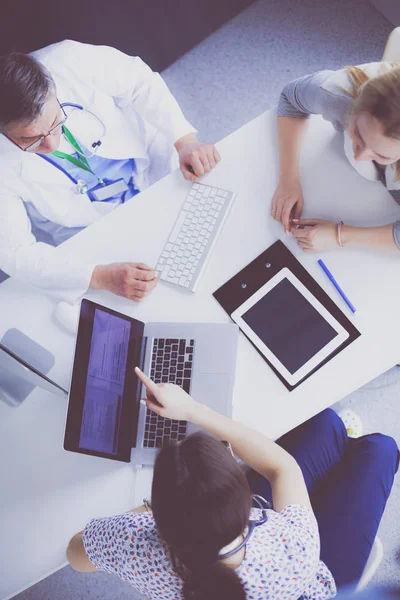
(130, 280)
(167, 399)
(314, 235)
(287, 202)
(195, 158)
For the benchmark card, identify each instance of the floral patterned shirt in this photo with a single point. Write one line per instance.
(281, 558)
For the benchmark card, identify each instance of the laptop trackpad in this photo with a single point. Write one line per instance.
(213, 391)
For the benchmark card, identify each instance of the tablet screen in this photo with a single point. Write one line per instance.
(289, 325)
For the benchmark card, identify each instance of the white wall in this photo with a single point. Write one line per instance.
(389, 8)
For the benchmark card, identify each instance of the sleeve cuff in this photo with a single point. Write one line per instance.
(179, 131)
(286, 108)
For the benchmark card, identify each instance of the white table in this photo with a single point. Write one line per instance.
(48, 494)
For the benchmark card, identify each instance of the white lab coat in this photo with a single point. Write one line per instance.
(142, 119)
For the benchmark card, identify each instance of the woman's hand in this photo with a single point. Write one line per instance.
(167, 399)
(287, 202)
(314, 235)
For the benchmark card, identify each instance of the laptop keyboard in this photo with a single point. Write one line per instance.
(171, 362)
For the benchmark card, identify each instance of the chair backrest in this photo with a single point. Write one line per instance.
(392, 48)
(374, 560)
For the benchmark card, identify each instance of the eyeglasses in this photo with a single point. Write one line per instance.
(263, 505)
(38, 142)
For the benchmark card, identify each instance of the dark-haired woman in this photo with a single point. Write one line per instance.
(364, 103)
(203, 541)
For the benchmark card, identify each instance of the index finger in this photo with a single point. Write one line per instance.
(310, 222)
(217, 155)
(285, 218)
(145, 274)
(143, 266)
(148, 383)
(196, 165)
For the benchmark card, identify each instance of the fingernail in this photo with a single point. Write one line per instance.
(295, 220)
(137, 369)
(143, 402)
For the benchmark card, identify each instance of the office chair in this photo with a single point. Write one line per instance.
(374, 560)
(392, 48)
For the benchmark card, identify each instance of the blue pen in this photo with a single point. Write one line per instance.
(337, 286)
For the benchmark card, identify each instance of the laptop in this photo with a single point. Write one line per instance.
(105, 417)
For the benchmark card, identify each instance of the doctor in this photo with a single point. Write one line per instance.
(82, 129)
(364, 103)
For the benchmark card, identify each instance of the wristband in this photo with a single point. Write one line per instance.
(339, 233)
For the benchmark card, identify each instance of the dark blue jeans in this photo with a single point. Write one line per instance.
(349, 482)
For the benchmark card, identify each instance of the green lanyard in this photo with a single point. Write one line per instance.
(80, 162)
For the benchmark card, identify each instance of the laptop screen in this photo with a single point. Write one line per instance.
(103, 402)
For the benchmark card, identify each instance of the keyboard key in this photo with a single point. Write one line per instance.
(188, 365)
(178, 381)
(186, 385)
(187, 373)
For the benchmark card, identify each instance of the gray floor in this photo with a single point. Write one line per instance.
(224, 82)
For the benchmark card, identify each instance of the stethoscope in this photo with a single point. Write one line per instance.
(95, 145)
(264, 506)
(81, 186)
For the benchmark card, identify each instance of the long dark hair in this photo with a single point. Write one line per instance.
(201, 502)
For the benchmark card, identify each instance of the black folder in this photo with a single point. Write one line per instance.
(250, 279)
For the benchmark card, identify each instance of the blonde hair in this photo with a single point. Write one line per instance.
(378, 96)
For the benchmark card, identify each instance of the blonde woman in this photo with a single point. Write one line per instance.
(364, 103)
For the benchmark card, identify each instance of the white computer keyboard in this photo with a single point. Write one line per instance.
(185, 254)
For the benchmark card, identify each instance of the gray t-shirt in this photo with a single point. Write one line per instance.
(327, 93)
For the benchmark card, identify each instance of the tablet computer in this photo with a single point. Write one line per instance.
(289, 326)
